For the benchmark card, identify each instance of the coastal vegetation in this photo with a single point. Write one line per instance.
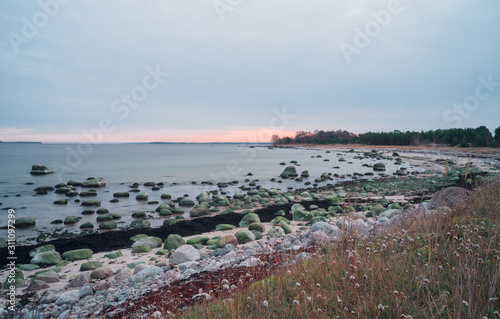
(477, 137)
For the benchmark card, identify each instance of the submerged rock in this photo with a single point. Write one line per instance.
(39, 169)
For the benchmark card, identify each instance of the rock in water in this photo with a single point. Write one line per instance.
(289, 171)
(39, 169)
(94, 183)
(379, 167)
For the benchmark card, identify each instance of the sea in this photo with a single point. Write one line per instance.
(185, 169)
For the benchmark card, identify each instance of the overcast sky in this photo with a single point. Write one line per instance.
(242, 70)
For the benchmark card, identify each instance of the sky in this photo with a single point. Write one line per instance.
(244, 70)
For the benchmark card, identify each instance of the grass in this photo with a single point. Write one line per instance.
(444, 266)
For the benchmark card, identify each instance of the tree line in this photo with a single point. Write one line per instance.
(467, 137)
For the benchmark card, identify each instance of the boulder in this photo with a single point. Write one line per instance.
(42, 249)
(151, 241)
(289, 171)
(317, 238)
(114, 255)
(452, 197)
(248, 219)
(379, 167)
(198, 240)
(39, 169)
(108, 225)
(228, 239)
(80, 280)
(173, 241)
(46, 258)
(121, 194)
(69, 297)
(279, 220)
(199, 211)
(138, 249)
(224, 227)
(142, 196)
(94, 183)
(87, 225)
(77, 254)
(257, 226)
(244, 236)
(24, 222)
(101, 273)
(184, 254)
(138, 214)
(47, 276)
(90, 265)
(328, 229)
(90, 203)
(36, 285)
(185, 201)
(71, 220)
(276, 232)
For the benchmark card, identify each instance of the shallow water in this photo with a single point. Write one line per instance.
(176, 165)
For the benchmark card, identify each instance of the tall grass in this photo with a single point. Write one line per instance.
(445, 266)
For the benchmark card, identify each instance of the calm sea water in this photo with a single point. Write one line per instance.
(176, 165)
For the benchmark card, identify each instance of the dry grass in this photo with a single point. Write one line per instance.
(446, 267)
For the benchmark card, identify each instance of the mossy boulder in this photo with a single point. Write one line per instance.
(244, 236)
(28, 267)
(46, 258)
(228, 239)
(61, 202)
(134, 264)
(90, 203)
(18, 280)
(71, 220)
(94, 183)
(87, 225)
(199, 211)
(88, 212)
(173, 241)
(24, 222)
(257, 226)
(114, 255)
(379, 167)
(248, 219)
(39, 169)
(77, 254)
(139, 249)
(142, 196)
(90, 265)
(103, 218)
(198, 240)
(152, 241)
(89, 193)
(224, 227)
(279, 220)
(186, 201)
(289, 171)
(165, 212)
(108, 225)
(121, 194)
(139, 214)
(139, 224)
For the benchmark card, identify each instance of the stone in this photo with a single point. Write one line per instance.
(286, 228)
(184, 254)
(25, 222)
(108, 225)
(46, 258)
(114, 255)
(173, 241)
(90, 203)
(102, 211)
(47, 276)
(39, 169)
(90, 265)
(199, 211)
(142, 196)
(289, 171)
(78, 254)
(139, 249)
(85, 291)
(134, 264)
(317, 238)
(198, 240)
(185, 201)
(389, 213)
(279, 220)
(257, 226)
(452, 197)
(94, 183)
(276, 232)
(121, 194)
(42, 249)
(71, 220)
(36, 285)
(80, 280)
(379, 167)
(328, 229)
(224, 227)
(248, 219)
(228, 239)
(304, 174)
(101, 273)
(244, 236)
(87, 225)
(151, 241)
(103, 218)
(28, 267)
(88, 193)
(88, 212)
(69, 297)
(146, 273)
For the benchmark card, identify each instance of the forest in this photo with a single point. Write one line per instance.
(466, 137)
